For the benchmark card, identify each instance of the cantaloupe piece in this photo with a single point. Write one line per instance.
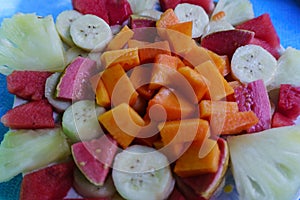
(218, 87)
(222, 62)
(183, 27)
(148, 52)
(123, 123)
(132, 43)
(189, 164)
(208, 108)
(102, 97)
(119, 86)
(166, 19)
(127, 58)
(119, 41)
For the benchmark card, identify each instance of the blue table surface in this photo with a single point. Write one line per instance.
(284, 15)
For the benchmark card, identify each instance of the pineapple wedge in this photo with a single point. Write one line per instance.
(266, 165)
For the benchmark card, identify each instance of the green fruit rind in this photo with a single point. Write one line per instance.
(266, 164)
(26, 150)
(29, 42)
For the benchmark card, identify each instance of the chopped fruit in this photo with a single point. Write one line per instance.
(190, 164)
(52, 182)
(222, 62)
(119, 41)
(274, 51)
(102, 96)
(94, 7)
(232, 123)
(166, 4)
(31, 115)
(208, 108)
(265, 164)
(226, 42)
(218, 87)
(183, 27)
(263, 28)
(280, 120)
(288, 103)
(28, 85)
(127, 58)
(118, 86)
(167, 105)
(167, 18)
(118, 11)
(148, 52)
(176, 195)
(195, 55)
(207, 5)
(123, 123)
(95, 157)
(254, 96)
(137, 21)
(136, 43)
(205, 185)
(74, 83)
(218, 16)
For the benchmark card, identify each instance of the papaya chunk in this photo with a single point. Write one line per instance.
(218, 87)
(195, 55)
(118, 85)
(102, 97)
(127, 58)
(208, 108)
(189, 164)
(148, 52)
(222, 62)
(166, 105)
(123, 123)
(232, 123)
(183, 27)
(136, 43)
(166, 19)
(187, 130)
(196, 80)
(120, 39)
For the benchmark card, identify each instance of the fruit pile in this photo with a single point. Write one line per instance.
(130, 102)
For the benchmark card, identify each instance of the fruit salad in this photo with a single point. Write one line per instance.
(150, 99)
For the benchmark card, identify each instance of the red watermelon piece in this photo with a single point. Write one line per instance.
(29, 85)
(226, 42)
(274, 51)
(94, 158)
(280, 120)
(94, 7)
(289, 101)
(49, 183)
(31, 115)
(254, 97)
(118, 11)
(264, 30)
(166, 4)
(176, 195)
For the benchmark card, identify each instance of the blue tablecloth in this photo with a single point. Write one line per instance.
(284, 14)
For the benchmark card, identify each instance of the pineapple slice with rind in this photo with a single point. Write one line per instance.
(266, 164)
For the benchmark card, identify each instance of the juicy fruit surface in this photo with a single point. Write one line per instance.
(32, 115)
(49, 183)
(27, 84)
(275, 150)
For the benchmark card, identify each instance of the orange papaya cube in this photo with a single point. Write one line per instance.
(119, 86)
(136, 43)
(232, 123)
(181, 131)
(148, 52)
(218, 87)
(179, 42)
(119, 41)
(127, 58)
(190, 164)
(122, 123)
(168, 105)
(196, 80)
(140, 78)
(102, 97)
(195, 55)
(222, 62)
(207, 108)
(183, 27)
(165, 66)
(166, 19)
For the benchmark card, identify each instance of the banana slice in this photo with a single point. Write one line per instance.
(141, 172)
(189, 12)
(215, 26)
(90, 32)
(252, 62)
(63, 23)
(236, 11)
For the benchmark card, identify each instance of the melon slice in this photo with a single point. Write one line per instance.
(94, 158)
(266, 164)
